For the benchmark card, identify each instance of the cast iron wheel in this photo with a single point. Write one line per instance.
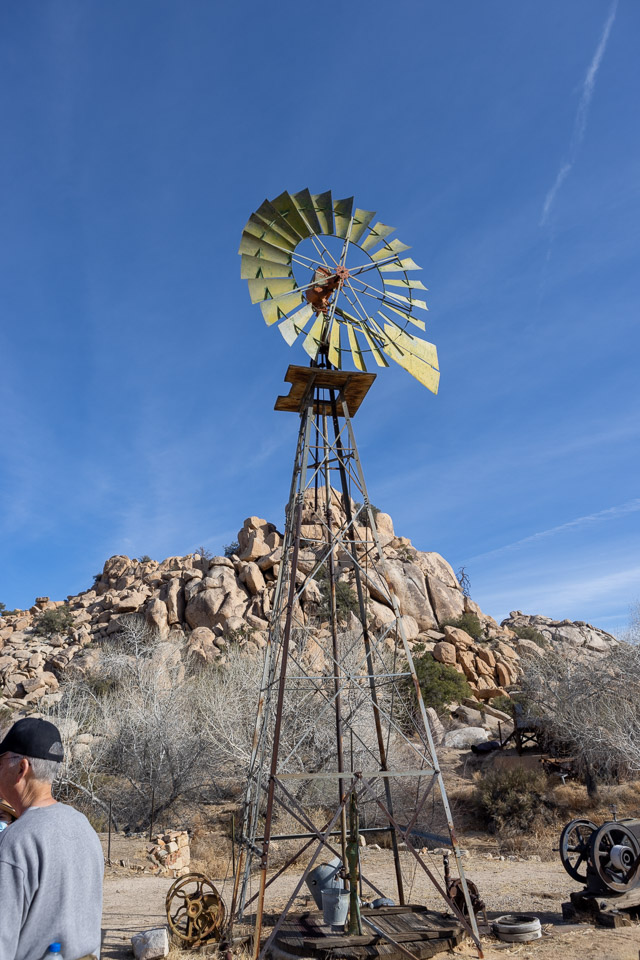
(615, 854)
(195, 910)
(575, 845)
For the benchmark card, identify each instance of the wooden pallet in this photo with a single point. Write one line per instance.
(606, 910)
(423, 932)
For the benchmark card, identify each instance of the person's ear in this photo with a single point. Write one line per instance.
(23, 769)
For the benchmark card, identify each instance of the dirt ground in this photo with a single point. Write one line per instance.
(134, 902)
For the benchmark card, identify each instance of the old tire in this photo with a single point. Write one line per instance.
(517, 928)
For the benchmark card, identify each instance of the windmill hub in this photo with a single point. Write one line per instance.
(325, 283)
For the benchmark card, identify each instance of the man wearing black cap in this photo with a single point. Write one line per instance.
(51, 862)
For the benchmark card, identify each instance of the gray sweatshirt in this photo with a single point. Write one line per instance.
(51, 869)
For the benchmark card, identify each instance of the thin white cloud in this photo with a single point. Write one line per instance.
(582, 115)
(611, 513)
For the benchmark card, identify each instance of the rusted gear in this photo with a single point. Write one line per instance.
(195, 910)
(456, 894)
(325, 285)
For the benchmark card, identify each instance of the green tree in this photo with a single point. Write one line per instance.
(440, 684)
(467, 622)
(51, 622)
(231, 548)
(346, 597)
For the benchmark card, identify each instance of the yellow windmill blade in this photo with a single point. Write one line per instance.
(253, 246)
(323, 205)
(273, 219)
(286, 207)
(270, 231)
(378, 232)
(293, 325)
(334, 352)
(310, 259)
(264, 289)
(254, 268)
(362, 327)
(361, 220)
(356, 352)
(397, 265)
(275, 310)
(406, 316)
(417, 357)
(314, 339)
(342, 216)
(389, 249)
(304, 204)
(405, 282)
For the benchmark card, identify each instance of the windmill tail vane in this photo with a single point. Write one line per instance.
(357, 284)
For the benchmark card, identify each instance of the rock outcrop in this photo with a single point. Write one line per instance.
(576, 639)
(209, 604)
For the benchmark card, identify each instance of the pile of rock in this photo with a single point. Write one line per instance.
(489, 664)
(170, 854)
(210, 604)
(577, 639)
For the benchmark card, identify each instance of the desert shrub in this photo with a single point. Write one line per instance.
(51, 622)
(506, 704)
(145, 558)
(511, 800)
(239, 636)
(3, 608)
(528, 632)
(346, 598)
(363, 519)
(467, 622)
(204, 553)
(440, 684)
(100, 686)
(231, 548)
(133, 636)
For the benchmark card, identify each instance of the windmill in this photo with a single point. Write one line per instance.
(329, 275)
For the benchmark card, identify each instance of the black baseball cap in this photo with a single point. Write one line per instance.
(36, 738)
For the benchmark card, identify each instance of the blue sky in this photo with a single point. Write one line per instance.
(137, 381)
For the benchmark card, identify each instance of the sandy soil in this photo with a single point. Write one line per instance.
(134, 902)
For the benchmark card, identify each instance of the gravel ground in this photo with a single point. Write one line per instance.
(135, 902)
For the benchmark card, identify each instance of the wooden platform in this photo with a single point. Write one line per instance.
(351, 386)
(423, 932)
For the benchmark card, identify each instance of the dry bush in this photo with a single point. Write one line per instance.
(590, 714)
(514, 801)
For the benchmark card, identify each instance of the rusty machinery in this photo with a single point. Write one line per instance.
(195, 911)
(605, 858)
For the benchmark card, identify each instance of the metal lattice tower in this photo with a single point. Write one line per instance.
(360, 674)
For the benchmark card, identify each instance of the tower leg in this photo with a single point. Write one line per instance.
(327, 544)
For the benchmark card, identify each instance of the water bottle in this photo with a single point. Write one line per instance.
(54, 952)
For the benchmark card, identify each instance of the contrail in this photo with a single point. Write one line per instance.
(582, 114)
(631, 506)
